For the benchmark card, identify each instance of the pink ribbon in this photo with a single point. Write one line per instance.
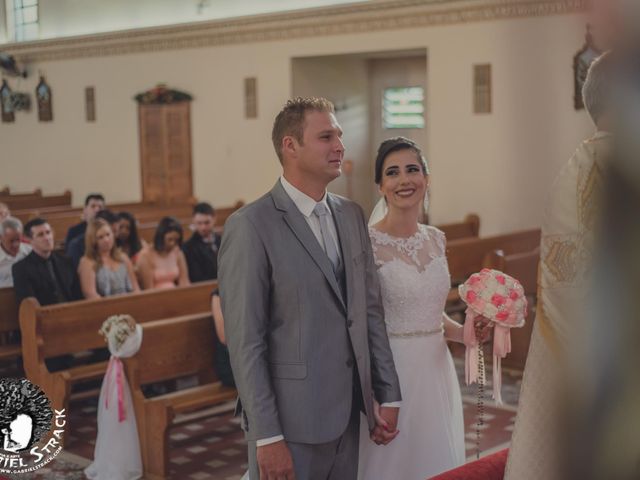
(501, 347)
(471, 353)
(116, 363)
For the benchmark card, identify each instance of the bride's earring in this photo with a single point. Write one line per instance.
(425, 201)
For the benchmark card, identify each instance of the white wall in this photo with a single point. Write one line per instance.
(498, 165)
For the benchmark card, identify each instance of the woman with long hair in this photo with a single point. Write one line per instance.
(163, 264)
(127, 237)
(104, 269)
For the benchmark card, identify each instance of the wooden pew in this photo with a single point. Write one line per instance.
(523, 267)
(68, 328)
(466, 256)
(469, 228)
(31, 201)
(9, 325)
(171, 349)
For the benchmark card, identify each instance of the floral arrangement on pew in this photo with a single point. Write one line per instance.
(117, 452)
(499, 299)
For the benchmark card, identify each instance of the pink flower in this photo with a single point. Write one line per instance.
(471, 296)
(513, 295)
(498, 300)
(500, 279)
(502, 315)
(473, 279)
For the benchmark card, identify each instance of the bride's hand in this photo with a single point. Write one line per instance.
(486, 326)
(383, 432)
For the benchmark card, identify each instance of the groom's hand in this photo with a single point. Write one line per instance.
(275, 462)
(386, 428)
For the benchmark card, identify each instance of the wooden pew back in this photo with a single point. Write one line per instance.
(469, 228)
(73, 327)
(466, 256)
(8, 311)
(35, 200)
(175, 347)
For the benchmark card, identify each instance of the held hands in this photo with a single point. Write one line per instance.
(386, 428)
(275, 462)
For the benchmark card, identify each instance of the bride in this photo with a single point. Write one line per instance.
(414, 278)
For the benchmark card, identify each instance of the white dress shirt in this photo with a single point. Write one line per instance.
(7, 261)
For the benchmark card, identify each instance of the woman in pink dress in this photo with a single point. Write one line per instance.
(162, 265)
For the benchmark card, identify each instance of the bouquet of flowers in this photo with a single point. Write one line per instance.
(117, 329)
(500, 299)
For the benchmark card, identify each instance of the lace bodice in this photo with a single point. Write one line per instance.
(414, 278)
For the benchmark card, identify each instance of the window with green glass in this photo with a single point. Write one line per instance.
(403, 107)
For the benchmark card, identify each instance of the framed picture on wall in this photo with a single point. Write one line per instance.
(581, 63)
(43, 97)
(5, 102)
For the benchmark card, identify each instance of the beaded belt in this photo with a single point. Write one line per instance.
(417, 333)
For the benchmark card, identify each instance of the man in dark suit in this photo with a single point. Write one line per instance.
(92, 205)
(201, 250)
(44, 274)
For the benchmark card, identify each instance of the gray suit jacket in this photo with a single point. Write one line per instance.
(291, 334)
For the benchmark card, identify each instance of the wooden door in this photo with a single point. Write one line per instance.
(165, 152)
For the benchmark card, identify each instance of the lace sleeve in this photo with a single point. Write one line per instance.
(438, 241)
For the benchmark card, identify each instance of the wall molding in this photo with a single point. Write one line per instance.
(324, 21)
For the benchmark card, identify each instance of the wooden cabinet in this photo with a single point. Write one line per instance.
(165, 152)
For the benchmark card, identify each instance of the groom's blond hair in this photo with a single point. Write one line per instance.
(291, 119)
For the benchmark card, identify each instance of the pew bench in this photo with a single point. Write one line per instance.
(9, 325)
(69, 328)
(468, 228)
(171, 349)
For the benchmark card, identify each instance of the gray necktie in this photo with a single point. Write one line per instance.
(322, 212)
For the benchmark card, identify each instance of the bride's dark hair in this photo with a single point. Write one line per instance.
(393, 145)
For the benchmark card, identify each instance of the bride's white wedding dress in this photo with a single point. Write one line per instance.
(414, 278)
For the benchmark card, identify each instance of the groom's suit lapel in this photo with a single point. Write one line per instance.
(298, 225)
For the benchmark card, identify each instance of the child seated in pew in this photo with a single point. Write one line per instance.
(127, 237)
(163, 264)
(104, 269)
(222, 362)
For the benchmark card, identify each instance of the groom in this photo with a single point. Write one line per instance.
(303, 317)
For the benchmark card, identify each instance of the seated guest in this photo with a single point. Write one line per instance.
(201, 250)
(44, 274)
(222, 361)
(4, 211)
(75, 249)
(127, 237)
(11, 248)
(162, 265)
(92, 205)
(104, 270)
